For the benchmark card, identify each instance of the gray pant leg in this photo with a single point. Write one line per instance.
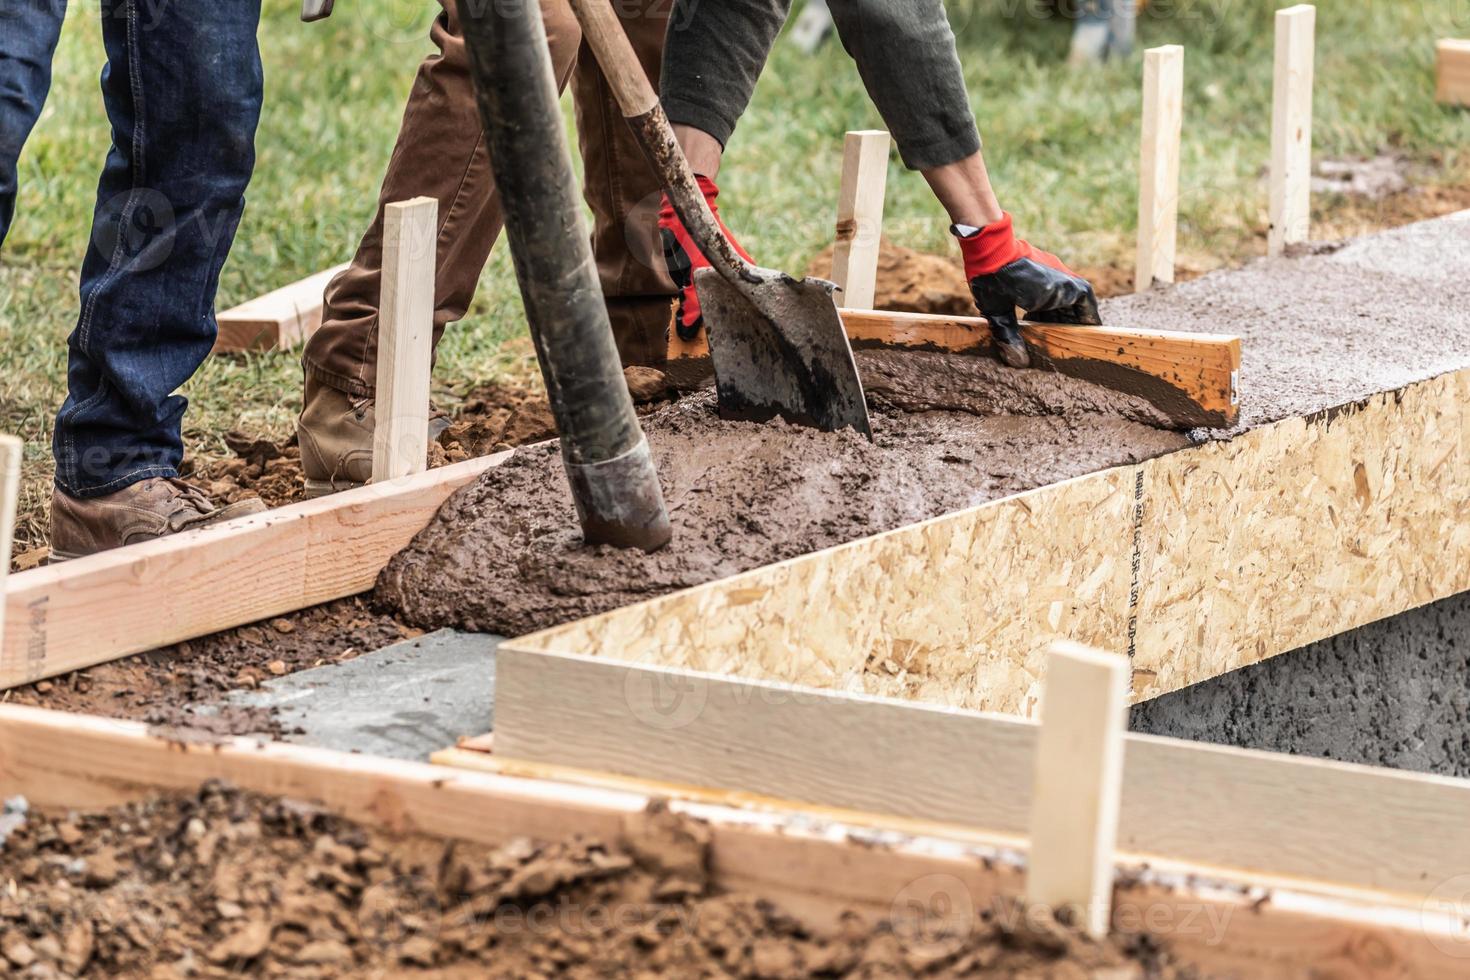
(904, 49)
(905, 53)
(713, 56)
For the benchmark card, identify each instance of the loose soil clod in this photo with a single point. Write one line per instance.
(223, 883)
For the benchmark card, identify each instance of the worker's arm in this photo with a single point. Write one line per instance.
(906, 55)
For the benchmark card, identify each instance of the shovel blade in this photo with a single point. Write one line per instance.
(778, 348)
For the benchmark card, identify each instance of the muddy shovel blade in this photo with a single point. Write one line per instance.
(778, 348)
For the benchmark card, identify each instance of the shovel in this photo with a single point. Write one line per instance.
(776, 343)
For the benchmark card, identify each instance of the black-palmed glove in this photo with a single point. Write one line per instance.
(1006, 273)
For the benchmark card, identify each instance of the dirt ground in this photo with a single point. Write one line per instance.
(222, 883)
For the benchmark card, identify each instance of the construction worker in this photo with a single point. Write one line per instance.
(182, 89)
(441, 153)
(905, 53)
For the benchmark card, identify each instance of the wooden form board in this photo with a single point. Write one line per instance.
(1452, 72)
(1291, 128)
(1158, 166)
(808, 862)
(1193, 377)
(1195, 563)
(1258, 815)
(282, 318)
(91, 610)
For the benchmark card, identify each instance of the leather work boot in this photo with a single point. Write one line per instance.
(335, 433)
(146, 510)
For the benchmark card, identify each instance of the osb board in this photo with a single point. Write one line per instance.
(1195, 563)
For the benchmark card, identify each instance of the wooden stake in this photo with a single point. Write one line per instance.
(1078, 783)
(860, 217)
(1291, 128)
(405, 339)
(1452, 72)
(10, 455)
(1158, 165)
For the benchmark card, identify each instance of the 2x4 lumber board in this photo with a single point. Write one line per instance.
(406, 337)
(1452, 72)
(61, 618)
(1077, 785)
(1291, 128)
(1255, 814)
(1158, 166)
(282, 318)
(1226, 931)
(1192, 376)
(10, 458)
(1196, 563)
(809, 865)
(860, 217)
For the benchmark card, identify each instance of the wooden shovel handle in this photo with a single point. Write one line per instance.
(640, 105)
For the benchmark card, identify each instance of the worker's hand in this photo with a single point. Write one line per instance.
(682, 257)
(1005, 273)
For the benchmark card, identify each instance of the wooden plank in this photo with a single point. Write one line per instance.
(282, 318)
(105, 606)
(1291, 128)
(813, 868)
(1262, 815)
(860, 217)
(1193, 377)
(405, 339)
(1158, 166)
(1452, 72)
(1078, 783)
(10, 460)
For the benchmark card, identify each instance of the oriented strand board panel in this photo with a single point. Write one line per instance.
(1195, 563)
(955, 610)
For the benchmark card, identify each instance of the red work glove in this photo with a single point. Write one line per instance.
(682, 257)
(1005, 273)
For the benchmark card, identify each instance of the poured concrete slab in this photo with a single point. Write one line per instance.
(404, 701)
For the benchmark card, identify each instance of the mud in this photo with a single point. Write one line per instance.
(504, 554)
(1328, 328)
(222, 883)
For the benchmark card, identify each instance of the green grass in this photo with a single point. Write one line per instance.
(1061, 145)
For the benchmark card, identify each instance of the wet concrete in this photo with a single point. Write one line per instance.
(1319, 331)
(1393, 693)
(505, 555)
(404, 701)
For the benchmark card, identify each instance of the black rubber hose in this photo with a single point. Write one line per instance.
(606, 455)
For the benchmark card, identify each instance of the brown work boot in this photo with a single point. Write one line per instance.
(146, 510)
(335, 433)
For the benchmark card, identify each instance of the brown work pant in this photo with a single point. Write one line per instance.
(441, 153)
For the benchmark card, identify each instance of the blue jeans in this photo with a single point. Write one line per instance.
(182, 88)
(28, 33)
